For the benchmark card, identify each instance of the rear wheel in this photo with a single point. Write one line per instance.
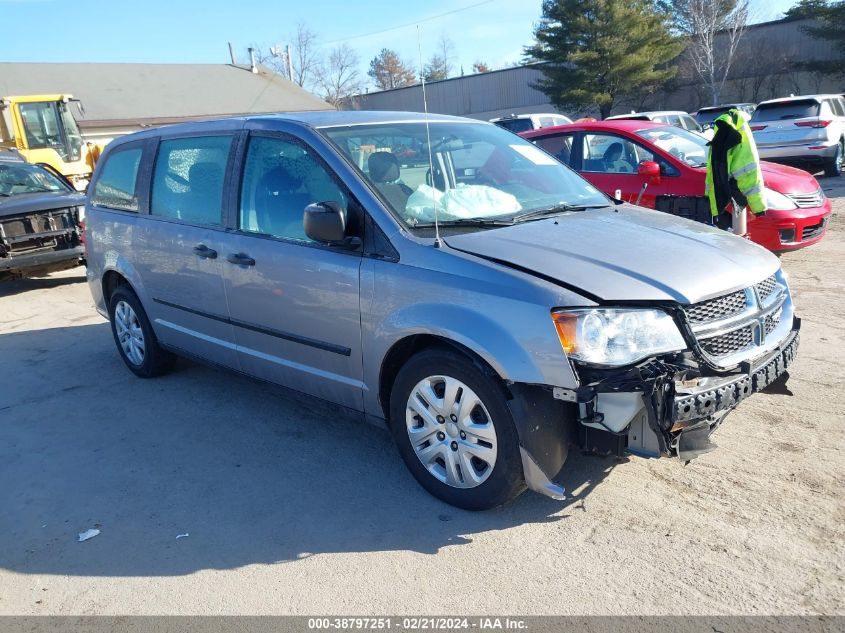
(833, 167)
(453, 428)
(134, 336)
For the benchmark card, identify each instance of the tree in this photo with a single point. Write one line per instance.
(480, 67)
(305, 56)
(388, 71)
(436, 69)
(339, 76)
(439, 65)
(806, 9)
(601, 51)
(831, 27)
(712, 29)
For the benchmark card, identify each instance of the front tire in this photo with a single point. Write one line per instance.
(833, 167)
(136, 342)
(454, 430)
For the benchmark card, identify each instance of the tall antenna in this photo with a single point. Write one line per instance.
(437, 243)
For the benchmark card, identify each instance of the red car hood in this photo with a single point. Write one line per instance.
(785, 179)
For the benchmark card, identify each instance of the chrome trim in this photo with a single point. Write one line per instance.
(755, 316)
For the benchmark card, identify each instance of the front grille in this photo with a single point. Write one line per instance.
(765, 288)
(771, 322)
(729, 342)
(36, 231)
(807, 200)
(810, 232)
(718, 308)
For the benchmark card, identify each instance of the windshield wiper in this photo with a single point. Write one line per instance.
(465, 222)
(558, 208)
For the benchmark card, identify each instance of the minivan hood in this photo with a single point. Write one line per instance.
(34, 202)
(626, 253)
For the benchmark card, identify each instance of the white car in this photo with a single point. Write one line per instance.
(524, 122)
(671, 117)
(807, 130)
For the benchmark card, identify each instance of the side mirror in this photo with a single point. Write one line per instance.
(649, 170)
(325, 222)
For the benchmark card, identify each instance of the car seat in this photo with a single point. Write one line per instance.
(613, 160)
(279, 207)
(203, 200)
(384, 172)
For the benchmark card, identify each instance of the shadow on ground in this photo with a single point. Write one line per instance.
(252, 474)
(11, 287)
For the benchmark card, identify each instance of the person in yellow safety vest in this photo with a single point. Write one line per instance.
(733, 169)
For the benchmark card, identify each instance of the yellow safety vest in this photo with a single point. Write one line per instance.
(743, 165)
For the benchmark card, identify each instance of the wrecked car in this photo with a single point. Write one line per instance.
(41, 219)
(488, 305)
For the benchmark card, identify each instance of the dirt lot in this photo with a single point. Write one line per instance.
(293, 510)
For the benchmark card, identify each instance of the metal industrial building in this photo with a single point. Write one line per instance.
(765, 68)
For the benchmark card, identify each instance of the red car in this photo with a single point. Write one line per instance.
(664, 167)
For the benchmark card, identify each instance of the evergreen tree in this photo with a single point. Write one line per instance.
(831, 27)
(601, 51)
(388, 71)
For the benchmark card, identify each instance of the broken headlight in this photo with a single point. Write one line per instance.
(616, 336)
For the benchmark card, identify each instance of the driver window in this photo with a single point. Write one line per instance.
(280, 179)
(609, 154)
(188, 179)
(559, 146)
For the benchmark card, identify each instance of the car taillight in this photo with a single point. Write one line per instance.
(757, 128)
(812, 123)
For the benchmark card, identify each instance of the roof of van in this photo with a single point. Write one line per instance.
(318, 119)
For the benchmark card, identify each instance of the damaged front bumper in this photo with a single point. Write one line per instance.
(669, 406)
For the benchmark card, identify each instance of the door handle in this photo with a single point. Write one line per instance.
(203, 251)
(241, 259)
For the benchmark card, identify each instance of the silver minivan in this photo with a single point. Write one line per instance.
(437, 275)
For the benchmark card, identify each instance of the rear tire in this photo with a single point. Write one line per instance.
(465, 447)
(134, 337)
(833, 167)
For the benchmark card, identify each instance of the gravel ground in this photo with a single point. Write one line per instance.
(291, 509)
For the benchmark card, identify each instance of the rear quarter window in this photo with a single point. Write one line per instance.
(116, 185)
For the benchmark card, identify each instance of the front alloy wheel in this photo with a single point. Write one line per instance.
(451, 431)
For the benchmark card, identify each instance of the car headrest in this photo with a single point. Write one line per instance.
(383, 167)
(613, 152)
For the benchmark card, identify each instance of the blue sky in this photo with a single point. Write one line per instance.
(196, 31)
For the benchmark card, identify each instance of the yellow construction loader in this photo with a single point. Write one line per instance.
(43, 129)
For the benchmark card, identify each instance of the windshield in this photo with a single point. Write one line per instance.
(786, 110)
(516, 125)
(687, 147)
(706, 117)
(476, 171)
(23, 178)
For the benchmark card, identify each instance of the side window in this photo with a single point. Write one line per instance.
(546, 121)
(609, 154)
(827, 108)
(116, 184)
(280, 179)
(559, 146)
(838, 107)
(188, 179)
(689, 123)
(661, 119)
